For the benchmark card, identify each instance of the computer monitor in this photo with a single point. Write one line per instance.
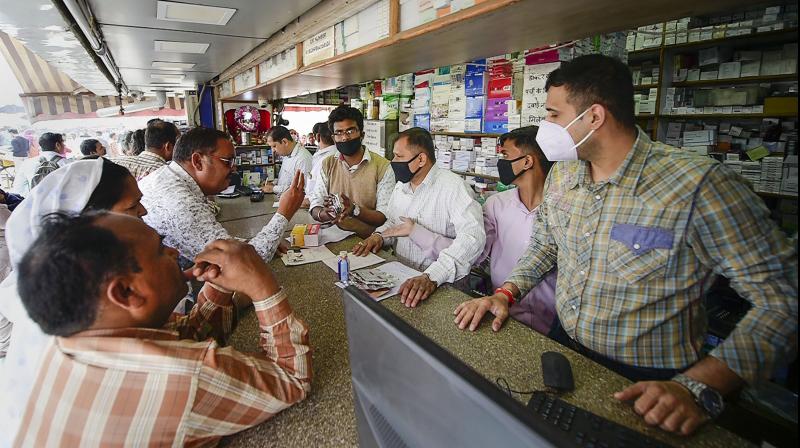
(410, 392)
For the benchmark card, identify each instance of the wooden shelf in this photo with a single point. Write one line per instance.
(645, 54)
(461, 36)
(646, 86)
(748, 79)
(466, 134)
(250, 146)
(729, 116)
(643, 116)
(777, 195)
(470, 174)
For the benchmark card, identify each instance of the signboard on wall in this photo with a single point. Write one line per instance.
(534, 93)
(319, 47)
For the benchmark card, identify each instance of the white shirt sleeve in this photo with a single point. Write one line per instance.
(455, 261)
(385, 189)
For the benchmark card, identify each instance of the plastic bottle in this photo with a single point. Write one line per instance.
(344, 268)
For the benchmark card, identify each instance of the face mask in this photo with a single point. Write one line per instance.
(402, 172)
(506, 170)
(555, 141)
(349, 147)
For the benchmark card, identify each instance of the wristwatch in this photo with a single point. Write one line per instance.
(356, 211)
(707, 397)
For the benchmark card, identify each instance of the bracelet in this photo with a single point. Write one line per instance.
(506, 293)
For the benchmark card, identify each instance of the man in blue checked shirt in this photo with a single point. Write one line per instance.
(639, 230)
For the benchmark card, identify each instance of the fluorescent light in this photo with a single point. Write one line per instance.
(169, 46)
(175, 77)
(186, 12)
(45, 7)
(164, 65)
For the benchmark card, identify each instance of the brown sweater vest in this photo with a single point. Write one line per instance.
(362, 185)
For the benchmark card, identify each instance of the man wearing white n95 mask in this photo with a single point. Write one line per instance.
(437, 200)
(639, 231)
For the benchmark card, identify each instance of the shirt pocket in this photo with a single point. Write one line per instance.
(639, 253)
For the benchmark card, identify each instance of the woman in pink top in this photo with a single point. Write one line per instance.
(509, 218)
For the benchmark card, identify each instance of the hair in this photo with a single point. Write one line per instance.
(597, 79)
(420, 138)
(89, 146)
(278, 133)
(110, 188)
(197, 140)
(137, 142)
(325, 134)
(345, 112)
(125, 142)
(62, 275)
(525, 139)
(49, 140)
(13, 131)
(159, 133)
(315, 129)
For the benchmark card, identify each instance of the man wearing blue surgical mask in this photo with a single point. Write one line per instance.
(437, 200)
(639, 231)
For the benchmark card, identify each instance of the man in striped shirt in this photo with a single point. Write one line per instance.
(159, 138)
(123, 370)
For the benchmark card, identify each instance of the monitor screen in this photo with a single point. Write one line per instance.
(411, 392)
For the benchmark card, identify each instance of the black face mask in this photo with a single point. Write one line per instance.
(506, 171)
(402, 172)
(349, 147)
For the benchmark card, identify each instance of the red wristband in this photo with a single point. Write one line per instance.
(506, 293)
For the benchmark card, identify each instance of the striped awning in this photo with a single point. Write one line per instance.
(49, 94)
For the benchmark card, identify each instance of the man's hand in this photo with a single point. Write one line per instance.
(416, 289)
(293, 196)
(283, 248)
(347, 209)
(665, 404)
(240, 268)
(306, 203)
(403, 229)
(470, 313)
(372, 244)
(268, 187)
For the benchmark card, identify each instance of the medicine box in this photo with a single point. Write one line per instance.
(305, 235)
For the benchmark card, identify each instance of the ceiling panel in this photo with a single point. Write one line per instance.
(253, 18)
(134, 48)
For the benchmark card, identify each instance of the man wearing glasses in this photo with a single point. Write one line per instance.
(295, 158)
(361, 178)
(174, 196)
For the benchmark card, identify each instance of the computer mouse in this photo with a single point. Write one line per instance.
(257, 196)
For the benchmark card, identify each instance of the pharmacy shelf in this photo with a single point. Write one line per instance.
(769, 37)
(644, 55)
(728, 116)
(250, 165)
(646, 86)
(731, 81)
(470, 174)
(646, 116)
(765, 194)
(466, 134)
(461, 36)
(250, 147)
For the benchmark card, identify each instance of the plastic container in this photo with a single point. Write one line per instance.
(344, 268)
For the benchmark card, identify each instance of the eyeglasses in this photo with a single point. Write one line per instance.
(230, 162)
(349, 132)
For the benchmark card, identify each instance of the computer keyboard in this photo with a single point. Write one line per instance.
(584, 428)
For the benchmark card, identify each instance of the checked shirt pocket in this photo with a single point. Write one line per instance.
(638, 253)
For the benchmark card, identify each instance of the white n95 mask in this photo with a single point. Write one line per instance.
(555, 141)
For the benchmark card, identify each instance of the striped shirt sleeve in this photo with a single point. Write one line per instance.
(213, 316)
(237, 391)
(733, 233)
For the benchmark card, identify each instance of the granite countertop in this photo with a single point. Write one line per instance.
(327, 417)
(241, 208)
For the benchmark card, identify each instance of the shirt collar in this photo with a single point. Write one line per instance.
(627, 175)
(183, 175)
(430, 178)
(152, 155)
(520, 205)
(364, 159)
